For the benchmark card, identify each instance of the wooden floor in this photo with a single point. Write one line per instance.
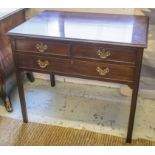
(14, 132)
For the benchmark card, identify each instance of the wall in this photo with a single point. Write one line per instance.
(32, 12)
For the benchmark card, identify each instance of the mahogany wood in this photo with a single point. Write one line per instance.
(93, 46)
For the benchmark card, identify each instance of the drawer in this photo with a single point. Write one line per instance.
(42, 63)
(98, 70)
(42, 46)
(104, 53)
(79, 68)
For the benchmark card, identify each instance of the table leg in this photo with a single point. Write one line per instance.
(52, 79)
(132, 114)
(134, 96)
(19, 77)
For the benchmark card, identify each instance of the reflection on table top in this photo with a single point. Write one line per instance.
(102, 28)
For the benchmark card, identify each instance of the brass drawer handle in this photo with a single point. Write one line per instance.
(43, 64)
(102, 72)
(103, 54)
(41, 47)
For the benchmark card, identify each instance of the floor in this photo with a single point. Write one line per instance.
(88, 107)
(15, 133)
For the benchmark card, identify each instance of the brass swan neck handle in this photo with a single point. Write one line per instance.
(102, 72)
(103, 54)
(41, 47)
(42, 64)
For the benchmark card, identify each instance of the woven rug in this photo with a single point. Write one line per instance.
(14, 132)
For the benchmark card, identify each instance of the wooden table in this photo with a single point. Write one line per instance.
(93, 46)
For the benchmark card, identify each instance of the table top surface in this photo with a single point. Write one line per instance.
(125, 30)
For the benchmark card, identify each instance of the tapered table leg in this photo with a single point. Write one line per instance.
(19, 77)
(132, 114)
(52, 79)
(134, 96)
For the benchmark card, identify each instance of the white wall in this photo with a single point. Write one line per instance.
(32, 12)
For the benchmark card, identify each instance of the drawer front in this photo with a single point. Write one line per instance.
(94, 70)
(104, 70)
(42, 63)
(104, 54)
(42, 46)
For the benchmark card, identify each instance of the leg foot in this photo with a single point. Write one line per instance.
(5, 97)
(128, 140)
(7, 104)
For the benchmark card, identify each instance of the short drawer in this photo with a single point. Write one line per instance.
(42, 63)
(104, 53)
(42, 46)
(104, 70)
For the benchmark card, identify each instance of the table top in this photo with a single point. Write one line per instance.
(124, 30)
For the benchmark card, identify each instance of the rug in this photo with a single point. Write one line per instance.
(16, 133)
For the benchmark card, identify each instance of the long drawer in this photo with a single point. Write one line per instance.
(43, 46)
(104, 53)
(94, 70)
